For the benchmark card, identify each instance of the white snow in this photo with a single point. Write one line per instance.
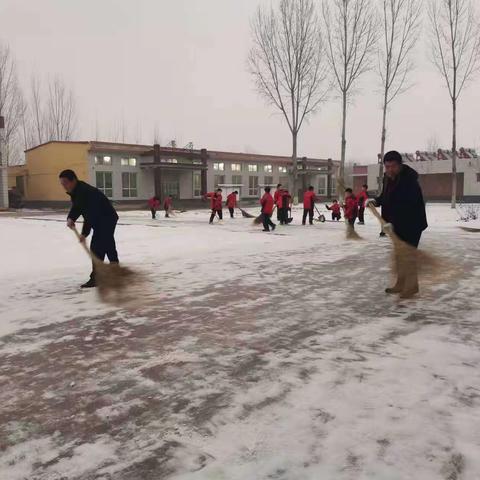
(253, 355)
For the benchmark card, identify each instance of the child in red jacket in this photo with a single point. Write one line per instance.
(267, 203)
(167, 205)
(154, 204)
(362, 198)
(336, 211)
(232, 202)
(215, 204)
(350, 207)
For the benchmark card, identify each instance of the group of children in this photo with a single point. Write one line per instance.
(353, 207)
(154, 204)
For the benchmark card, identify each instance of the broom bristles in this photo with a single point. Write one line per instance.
(352, 233)
(258, 220)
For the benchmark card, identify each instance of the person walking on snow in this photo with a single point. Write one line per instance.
(403, 207)
(167, 205)
(309, 198)
(276, 199)
(232, 203)
(336, 211)
(154, 204)
(98, 214)
(285, 201)
(350, 207)
(267, 203)
(215, 204)
(362, 198)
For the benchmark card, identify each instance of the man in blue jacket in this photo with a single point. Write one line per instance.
(98, 214)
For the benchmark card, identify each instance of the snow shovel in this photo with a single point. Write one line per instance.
(114, 281)
(321, 218)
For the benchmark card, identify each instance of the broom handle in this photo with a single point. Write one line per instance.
(84, 245)
(382, 221)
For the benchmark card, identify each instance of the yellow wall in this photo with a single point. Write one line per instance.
(46, 162)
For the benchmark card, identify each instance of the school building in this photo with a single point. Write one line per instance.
(133, 173)
(435, 174)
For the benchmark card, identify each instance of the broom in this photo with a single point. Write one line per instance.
(245, 214)
(431, 267)
(258, 220)
(114, 282)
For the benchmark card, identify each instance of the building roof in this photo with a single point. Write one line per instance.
(147, 150)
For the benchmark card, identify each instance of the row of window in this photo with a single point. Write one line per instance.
(252, 168)
(106, 160)
(104, 182)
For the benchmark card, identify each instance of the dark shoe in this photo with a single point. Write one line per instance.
(265, 230)
(393, 290)
(90, 284)
(273, 227)
(361, 223)
(383, 234)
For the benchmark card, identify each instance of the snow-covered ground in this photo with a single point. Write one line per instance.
(254, 356)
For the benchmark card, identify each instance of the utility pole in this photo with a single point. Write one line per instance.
(3, 169)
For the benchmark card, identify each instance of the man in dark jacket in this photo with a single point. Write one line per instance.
(98, 214)
(404, 208)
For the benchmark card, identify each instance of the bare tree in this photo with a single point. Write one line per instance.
(38, 115)
(351, 38)
(287, 61)
(61, 111)
(455, 42)
(11, 104)
(400, 29)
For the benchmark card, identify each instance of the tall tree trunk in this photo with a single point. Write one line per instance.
(382, 144)
(341, 176)
(454, 153)
(294, 166)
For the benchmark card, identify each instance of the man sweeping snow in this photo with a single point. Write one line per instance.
(232, 203)
(309, 198)
(98, 214)
(403, 208)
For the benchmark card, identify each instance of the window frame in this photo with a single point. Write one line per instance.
(127, 161)
(103, 188)
(218, 166)
(234, 166)
(252, 168)
(129, 188)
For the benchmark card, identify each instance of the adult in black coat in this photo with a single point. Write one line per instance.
(404, 208)
(98, 214)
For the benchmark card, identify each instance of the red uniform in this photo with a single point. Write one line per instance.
(335, 208)
(277, 198)
(215, 200)
(232, 200)
(309, 200)
(362, 197)
(267, 203)
(351, 208)
(167, 204)
(154, 203)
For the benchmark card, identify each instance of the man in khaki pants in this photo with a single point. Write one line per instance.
(404, 208)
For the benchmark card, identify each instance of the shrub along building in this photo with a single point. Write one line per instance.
(133, 173)
(435, 174)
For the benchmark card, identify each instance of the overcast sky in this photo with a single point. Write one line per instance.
(181, 65)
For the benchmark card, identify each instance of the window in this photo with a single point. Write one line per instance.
(267, 169)
(219, 180)
(282, 169)
(219, 167)
(283, 181)
(322, 185)
(129, 184)
(253, 168)
(253, 186)
(334, 185)
(104, 183)
(128, 162)
(172, 188)
(268, 180)
(236, 179)
(478, 177)
(197, 184)
(103, 160)
(236, 167)
(169, 160)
